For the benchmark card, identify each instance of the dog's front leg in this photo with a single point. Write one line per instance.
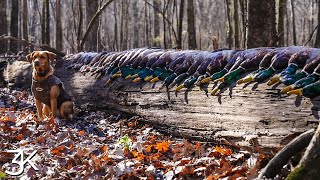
(39, 108)
(54, 93)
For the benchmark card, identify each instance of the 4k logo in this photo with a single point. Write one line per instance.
(21, 162)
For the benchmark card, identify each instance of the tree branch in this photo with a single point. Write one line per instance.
(92, 21)
(168, 21)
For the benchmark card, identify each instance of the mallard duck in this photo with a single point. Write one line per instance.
(278, 62)
(308, 78)
(310, 90)
(264, 64)
(217, 65)
(213, 62)
(145, 71)
(138, 63)
(250, 61)
(186, 61)
(158, 67)
(296, 61)
(236, 57)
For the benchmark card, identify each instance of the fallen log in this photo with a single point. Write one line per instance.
(309, 165)
(282, 157)
(249, 115)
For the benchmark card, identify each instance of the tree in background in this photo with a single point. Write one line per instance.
(25, 20)
(282, 8)
(59, 44)
(180, 20)
(45, 23)
(3, 22)
(191, 26)
(317, 43)
(261, 24)
(236, 24)
(14, 28)
(91, 9)
(156, 24)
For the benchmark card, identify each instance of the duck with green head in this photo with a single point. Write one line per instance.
(297, 61)
(146, 71)
(310, 78)
(310, 90)
(215, 66)
(138, 63)
(278, 63)
(176, 69)
(213, 62)
(158, 67)
(230, 62)
(250, 61)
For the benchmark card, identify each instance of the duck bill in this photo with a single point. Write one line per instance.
(273, 80)
(219, 79)
(214, 91)
(296, 91)
(179, 87)
(205, 80)
(286, 89)
(134, 76)
(156, 79)
(109, 81)
(137, 80)
(116, 75)
(148, 78)
(245, 80)
(128, 77)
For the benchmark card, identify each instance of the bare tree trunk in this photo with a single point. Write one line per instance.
(92, 7)
(282, 11)
(115, 41)
(180, 22)
(243, 7)
(4, 23)
(317, 43)
(43, 22)
(14, 25)
(146, 21)
(25, 20)
(59, 44)
(47, 23)
(236, 24)
(229, 29)
(80, 21)
(261, 33)
(92, 21)
(135, 25)
(191, 26)
(156, 24)
(294, 34)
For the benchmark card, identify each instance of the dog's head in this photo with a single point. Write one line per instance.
(41, 61)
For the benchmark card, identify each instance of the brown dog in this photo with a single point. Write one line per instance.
(47, 89)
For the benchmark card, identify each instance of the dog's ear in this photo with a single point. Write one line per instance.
(30, 57)
(51, 55)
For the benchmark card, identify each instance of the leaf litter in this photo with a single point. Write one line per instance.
(97, 145)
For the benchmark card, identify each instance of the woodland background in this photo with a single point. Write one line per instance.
(183, 24)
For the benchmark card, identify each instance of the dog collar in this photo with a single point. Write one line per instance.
(43, 74)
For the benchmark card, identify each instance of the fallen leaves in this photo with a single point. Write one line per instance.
(94, 147)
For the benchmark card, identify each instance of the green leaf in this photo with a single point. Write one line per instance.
(2, 174)
(126, 141)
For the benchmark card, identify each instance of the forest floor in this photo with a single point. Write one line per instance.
(98, 145)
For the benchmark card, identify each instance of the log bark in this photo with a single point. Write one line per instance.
(283, 156)
(248, 115)
(309, 165)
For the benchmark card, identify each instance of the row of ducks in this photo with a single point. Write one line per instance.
(297, 67)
